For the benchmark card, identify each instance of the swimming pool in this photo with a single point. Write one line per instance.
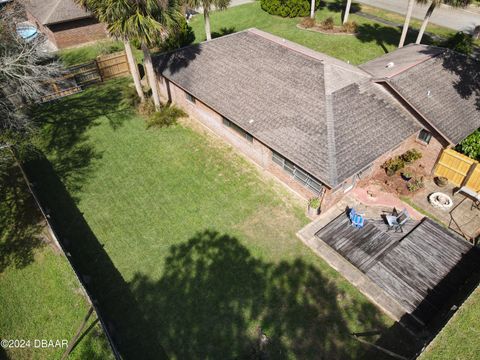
(27, 32)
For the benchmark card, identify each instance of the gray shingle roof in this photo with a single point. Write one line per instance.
(319, 112)
(440, 84)
(55, 11)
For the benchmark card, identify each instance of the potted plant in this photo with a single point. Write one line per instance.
(313, 206)
(441, 181)
(406, 175)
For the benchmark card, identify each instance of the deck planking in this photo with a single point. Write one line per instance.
(419, 268)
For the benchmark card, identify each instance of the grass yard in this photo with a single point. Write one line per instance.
(459, 338)
(188, 248)
(40, 296)
(373, 39)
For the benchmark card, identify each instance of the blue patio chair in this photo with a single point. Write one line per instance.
(357, 220)
(396, 221)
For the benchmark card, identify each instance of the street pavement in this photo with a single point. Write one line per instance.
(457, 19)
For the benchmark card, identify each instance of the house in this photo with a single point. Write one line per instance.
(315, 122)
(64, 22)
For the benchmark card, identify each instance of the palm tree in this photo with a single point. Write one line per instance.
(207, 4)
(312, 9)
(433, 5)
(407, 22)
(99, 9)
(147, 21)
(347, 11)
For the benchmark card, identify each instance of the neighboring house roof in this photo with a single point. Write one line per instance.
(442, 85)
(49, 12)
(324, 115)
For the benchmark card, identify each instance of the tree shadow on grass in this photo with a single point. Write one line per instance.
(340, 5)
(20, 226)
(381, 35)
(64, 125)
(223, 31)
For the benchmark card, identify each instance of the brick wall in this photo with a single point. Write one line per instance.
(71, 33)
(77, 32)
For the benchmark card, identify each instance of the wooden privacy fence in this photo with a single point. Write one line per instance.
(104, 67)
(459, 169)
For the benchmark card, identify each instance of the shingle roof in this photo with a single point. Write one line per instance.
(55, 11)
(442, 85)
(319, 112)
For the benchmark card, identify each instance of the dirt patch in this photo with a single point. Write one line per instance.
(337, 30)
(395, 184)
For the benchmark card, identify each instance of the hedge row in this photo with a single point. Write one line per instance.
(288, 8)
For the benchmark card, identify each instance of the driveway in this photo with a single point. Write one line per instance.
(457, 19)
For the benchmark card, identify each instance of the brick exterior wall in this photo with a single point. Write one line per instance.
(71, 33)
(262, 155)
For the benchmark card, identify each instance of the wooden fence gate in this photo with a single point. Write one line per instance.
(104, 67)
(459, 169)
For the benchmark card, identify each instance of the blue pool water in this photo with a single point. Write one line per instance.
(27, 32)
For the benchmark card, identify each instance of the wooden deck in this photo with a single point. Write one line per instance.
(419, 268)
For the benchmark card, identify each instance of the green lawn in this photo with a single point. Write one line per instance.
(373, 39)
(459, 338)
(188, 248)
(40, 297)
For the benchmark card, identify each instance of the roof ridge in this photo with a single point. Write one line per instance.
(331, 145)
(54, 8)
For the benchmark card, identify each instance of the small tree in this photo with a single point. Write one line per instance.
(24, 72)
(100, 8)
(147, 21)
(207, 6)
(471, 145)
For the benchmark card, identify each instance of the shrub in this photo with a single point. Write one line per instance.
(288, 8)
(327, 24)
(411, 155)
(314, 203)
(146, 108)
(415, 184)
(470, 146)
(182, 37)
(350, 27)
(307, 22)
(167, 116)
(130, 97)
(392, 165)
(460, 42)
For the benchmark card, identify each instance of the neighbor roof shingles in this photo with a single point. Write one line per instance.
(283, 88)
(55, 11)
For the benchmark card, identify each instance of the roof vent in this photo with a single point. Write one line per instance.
(429, 93)
(390, 64)
(250, 121)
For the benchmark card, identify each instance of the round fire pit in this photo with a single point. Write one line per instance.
(440, 200)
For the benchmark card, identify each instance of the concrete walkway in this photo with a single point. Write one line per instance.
(457, 19)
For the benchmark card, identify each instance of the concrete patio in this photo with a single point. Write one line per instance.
(461, 218)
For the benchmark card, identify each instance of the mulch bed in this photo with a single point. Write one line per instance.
(337, 30)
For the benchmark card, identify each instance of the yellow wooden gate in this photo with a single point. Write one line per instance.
(459, 169)
(113, 65)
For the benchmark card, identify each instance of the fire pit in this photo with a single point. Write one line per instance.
(440, 200)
